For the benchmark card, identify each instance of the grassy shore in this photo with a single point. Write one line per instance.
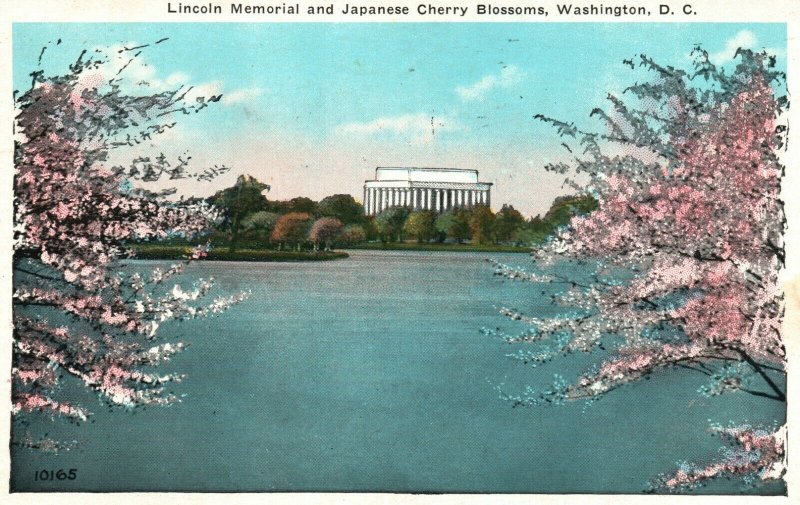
(221, 253)
(413, 246)
(175, 252)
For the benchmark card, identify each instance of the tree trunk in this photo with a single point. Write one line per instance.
(234, 234)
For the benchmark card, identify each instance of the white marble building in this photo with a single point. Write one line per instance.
(438, 189)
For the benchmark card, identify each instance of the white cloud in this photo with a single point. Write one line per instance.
(241, 95)
(744, 39)
(508, 76)
(121, 62)
(205, 90)
(415, 128)
(137, 73)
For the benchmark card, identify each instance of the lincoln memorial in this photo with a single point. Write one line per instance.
(437, 189)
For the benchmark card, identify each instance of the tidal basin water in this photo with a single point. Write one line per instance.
(371, 374)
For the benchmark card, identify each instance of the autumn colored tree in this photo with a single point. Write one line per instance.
(684, 250)
(481, 225)
(324, 231)
(292, 229)
(81, 314)
(421, 225)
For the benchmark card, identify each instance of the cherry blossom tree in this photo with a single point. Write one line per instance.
(684, 251)
(324, 231)
(82, 312)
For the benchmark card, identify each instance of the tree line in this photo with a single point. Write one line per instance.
(249, 219)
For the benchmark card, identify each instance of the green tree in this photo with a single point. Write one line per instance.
(260, 224)
(342, 207)
(303, 205)
(421, 225)
(277, 207)
(353, 234)
(292, 229)
(454, 224)
(508, 223)
(564, 207)
(236, 202)
(370, 228)
(390, 224)
(535, 232)
(538, 229)
(481, 225)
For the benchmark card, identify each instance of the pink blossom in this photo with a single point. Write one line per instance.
(698, 235)
(74, 221)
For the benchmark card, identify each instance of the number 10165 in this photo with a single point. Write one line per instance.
(61, 474)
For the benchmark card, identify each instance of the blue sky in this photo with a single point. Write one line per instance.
(312, 108)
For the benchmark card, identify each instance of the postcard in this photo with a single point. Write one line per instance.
(436, 251)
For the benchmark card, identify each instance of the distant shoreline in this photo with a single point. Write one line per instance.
(221, 253)
(449, 247)
(177, 252)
